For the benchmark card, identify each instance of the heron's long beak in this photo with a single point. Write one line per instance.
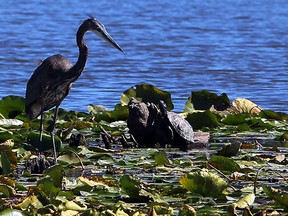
(105, 35)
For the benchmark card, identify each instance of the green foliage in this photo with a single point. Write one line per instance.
(119, 113)
(280, 196)
(134, 181)
(137, 190)
(203, 100)
(33, 141)
(12, 106)
(5, 134)
(187, 211)
(147, 93)
(205, 183)
(161, 158)
(243, 203)
(236, 119)
(269, 114)
(12, 212)
(229, 150)
(57, 174)
(130, 185)
(7, 190)
(224, 164)
(8, 161)
(199, 120)
(47, 186)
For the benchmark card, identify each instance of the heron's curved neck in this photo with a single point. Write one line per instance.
(77, 69)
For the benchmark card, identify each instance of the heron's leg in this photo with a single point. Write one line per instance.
(53, 133)
(41, 129)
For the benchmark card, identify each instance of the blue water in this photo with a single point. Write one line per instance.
(239, 47)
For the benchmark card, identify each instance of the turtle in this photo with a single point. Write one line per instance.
(141, 122)
(171, 128)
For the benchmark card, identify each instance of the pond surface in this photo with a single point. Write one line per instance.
(236, 47)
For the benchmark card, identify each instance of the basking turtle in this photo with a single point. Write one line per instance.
(173, 129)
(141, 122)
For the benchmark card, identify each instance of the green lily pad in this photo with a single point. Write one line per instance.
(230, 149)
(137, 190)
(161, 158)
(242, 203)
(147, 93)
(205, 183)
(269, 114)
(236, 119)
(8, 161)
(246, 201)
(203, 100)
(33, 141)
(187, 211)
(13, 212)
(11, 106)
(280, 196)
(47, 186)
(130, 185)
(56, 173)
(29, 201)
(120, 112)
(7, 190)
(71, 205)
(199, 120)
(224, 164)
(5, 134)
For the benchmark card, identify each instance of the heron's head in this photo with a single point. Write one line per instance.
(99, 29)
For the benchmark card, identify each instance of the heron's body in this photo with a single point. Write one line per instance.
(51, 81)
(47, 86)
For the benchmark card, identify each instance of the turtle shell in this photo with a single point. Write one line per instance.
(180, 127)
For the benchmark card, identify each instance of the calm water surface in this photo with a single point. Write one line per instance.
(232, 46)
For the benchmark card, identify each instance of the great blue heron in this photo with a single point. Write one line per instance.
(51, 81)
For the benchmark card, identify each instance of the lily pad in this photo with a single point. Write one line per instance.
(230, 149)
(10, 122)
(187, 211)
(280, 196)
(236, 119)
(224, 164)
(137, 190)
(269, 114)
(13, 212)
(11, 106)
(8, 161)
(5, 134)
(199, 120)
(33, 140)
(243, 203)
(56, 173)
(205, 183)
(71, 205)
(243, 105)
(204, 100)
(47, 186)
(130, 185)
(246, 201)
(161, 158)
(120, 112)
(30, 201)
(8, 144)
(7, 190)
(147, 93)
